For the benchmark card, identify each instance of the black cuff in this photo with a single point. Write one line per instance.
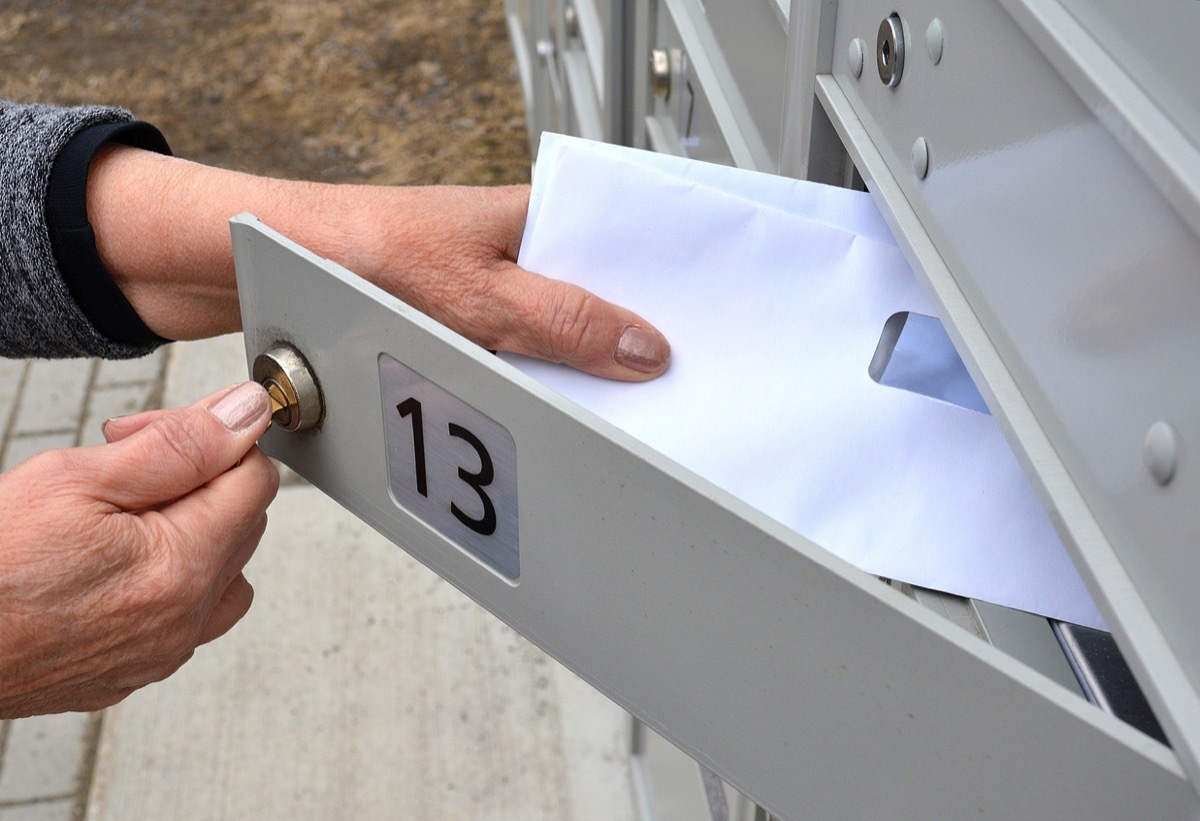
(74, 243)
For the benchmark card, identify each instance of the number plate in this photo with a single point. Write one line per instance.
(451, 467)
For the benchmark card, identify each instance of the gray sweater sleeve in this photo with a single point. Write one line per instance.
(45, 308)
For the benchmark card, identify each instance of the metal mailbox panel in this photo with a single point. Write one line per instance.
(1157, 44)
(752, 38)
(743, 128)
(583, 44)
(683, 122)
(1086, 281)
(533, 32)
(676, 599)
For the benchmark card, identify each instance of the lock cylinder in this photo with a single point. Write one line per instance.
(889, 51)
(296, 401)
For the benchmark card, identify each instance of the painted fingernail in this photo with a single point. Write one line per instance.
(642, 350)
(242, 406)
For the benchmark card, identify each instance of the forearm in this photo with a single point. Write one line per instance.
(162, 231)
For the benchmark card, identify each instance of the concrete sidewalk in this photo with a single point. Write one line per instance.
(359, 686)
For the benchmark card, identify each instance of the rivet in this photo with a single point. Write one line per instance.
(935, 40)
(855, 56)
(1160, 452)
(920, 158)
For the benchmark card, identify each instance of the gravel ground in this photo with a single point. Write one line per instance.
(376, 91)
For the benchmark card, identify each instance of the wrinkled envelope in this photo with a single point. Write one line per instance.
(774, 293)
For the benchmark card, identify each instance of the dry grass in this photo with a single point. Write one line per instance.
(380, 91)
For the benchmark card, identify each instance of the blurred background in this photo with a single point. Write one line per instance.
(370, 91)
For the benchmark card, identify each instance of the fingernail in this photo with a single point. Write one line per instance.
(642, 350)
(242, 406)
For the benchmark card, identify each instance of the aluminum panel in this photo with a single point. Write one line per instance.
(683, 122)
(799, 680)
(753, 42)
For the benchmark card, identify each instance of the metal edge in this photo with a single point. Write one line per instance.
(730, 110)
(1164, 153)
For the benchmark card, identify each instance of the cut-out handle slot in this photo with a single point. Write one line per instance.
(915, 354)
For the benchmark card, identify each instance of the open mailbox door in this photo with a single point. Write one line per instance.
(808, 685)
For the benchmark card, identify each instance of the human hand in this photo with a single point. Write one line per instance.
(117, 561)
(162, 230)
(451, 253)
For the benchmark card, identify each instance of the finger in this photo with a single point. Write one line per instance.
(234, 603)
(565, 323)
(215, 529)
(122, 427)
(561, 322)
(240, 557)
(177, 451)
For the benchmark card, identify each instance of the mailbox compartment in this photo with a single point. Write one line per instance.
(681, 119)
(1019, 146)
(568, 57)
(532, 29)
(752, 38)
(716, 80)
(590, 44)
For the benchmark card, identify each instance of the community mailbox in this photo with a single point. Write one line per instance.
(1038, 161)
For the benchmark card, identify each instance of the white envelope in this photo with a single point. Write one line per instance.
(774, 294)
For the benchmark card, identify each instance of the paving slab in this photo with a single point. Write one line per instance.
(60, 809)
(124, 371)
(43, 756)
(20, 448)
(55, 391)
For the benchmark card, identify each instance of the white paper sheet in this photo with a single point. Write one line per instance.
(774, 293)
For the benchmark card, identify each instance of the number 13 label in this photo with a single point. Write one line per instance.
(450, 466)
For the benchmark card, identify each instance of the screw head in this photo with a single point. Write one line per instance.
(920, 158)
(1160, 452)
(935, 40)
(855, 57)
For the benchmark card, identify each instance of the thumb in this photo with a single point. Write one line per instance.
(555, 320)
(177, 451)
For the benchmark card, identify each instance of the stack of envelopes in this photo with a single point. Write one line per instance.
(782, 300)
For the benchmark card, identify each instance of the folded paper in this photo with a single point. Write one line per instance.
(774, 294)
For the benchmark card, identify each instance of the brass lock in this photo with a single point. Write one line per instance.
(296, 401)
